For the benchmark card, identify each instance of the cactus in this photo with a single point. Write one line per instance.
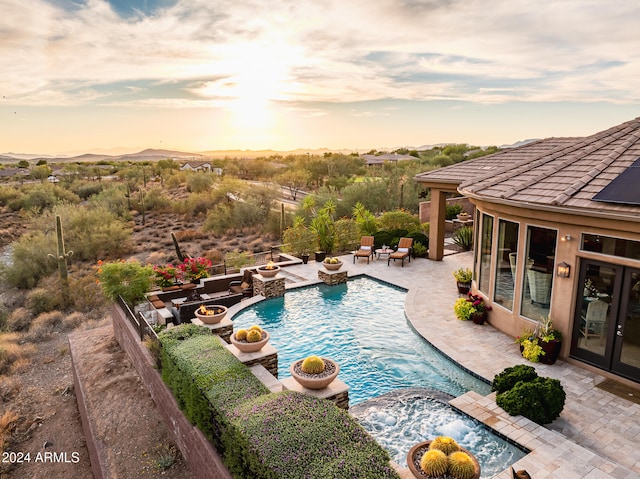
(434, 463)
(177, 246)
(61, 257)
(444, 444)
(253, 336)
(461, 466)
(312, 365)
(256, 327)
(241, 334)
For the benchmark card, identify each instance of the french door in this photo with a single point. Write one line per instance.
(606, 329)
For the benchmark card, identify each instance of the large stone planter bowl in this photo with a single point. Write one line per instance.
(332, 266)
(212, 318)
(315, 381)
(416, 452)
(246, 347)
(268, 273)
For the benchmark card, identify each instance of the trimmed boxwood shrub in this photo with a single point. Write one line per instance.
(511, 376)
(540, 400)
(292, 435)
(522, 392)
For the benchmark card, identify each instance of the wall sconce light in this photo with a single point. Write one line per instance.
(566, 238)
(564, 270)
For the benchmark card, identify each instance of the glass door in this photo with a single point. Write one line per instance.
(607, 323)
(596, 310)
(626, 354)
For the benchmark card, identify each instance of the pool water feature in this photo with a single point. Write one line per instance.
(362, 326)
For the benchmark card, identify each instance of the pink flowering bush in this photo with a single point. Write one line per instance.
(194, 269)
(166, 275)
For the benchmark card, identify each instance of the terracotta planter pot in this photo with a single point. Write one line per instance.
(212, 318)
(332, 267)
(416, 452)
(314, 381)
(246, 347)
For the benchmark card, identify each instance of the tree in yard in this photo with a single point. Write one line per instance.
(293, 181)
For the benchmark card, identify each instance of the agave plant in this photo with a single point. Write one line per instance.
(463, 237)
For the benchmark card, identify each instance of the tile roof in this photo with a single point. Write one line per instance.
(554, 172)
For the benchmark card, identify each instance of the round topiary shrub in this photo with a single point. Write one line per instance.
(511, 376)
(540, 400)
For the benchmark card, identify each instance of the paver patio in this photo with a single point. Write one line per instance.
(597, 434)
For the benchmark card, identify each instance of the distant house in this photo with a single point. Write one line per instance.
(557, 233)
(198, 166)
(380, 159)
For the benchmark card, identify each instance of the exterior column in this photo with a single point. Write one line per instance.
(436, 224)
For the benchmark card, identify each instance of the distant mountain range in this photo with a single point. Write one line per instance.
(159, 154)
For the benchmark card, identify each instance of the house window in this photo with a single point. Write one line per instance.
(611, 246)
(538, 278)
(486, 237)
(505, 280)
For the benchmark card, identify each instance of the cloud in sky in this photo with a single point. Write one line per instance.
(306, 56)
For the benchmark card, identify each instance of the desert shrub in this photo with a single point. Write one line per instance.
(419, 237)
(12, 351)
(8, 422)
(509, 377)
(398, 219)
(9, 194)
(156, 199)
(87, 189)
(41, 197)
(29, 261)
(4, 315)
(72, 321)
(389, 238)
(219, 219)
(540, 400)
(91, 233)
(9, 387)
(198, 203)
(42, 300)
(238, 259)
(452, 210)
(246, 214)
(199, 182)
(86, 295)
(43, 326)
(19, 319)
(114, 199)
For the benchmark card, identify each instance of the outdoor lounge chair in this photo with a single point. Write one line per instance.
(365, 250)
(245, 286)
(403, 251)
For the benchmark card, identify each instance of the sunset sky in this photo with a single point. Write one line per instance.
(195, 75)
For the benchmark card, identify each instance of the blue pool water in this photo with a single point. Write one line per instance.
(362, 326)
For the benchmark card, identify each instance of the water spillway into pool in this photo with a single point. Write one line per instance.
(362, 325)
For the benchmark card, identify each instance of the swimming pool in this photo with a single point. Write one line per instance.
(363, 327)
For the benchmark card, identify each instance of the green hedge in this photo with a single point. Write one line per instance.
(292, 435)
(261, 434)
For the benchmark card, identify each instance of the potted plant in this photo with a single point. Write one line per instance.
(542, 344)
(250, 340)
(194, 269)
(550, 340)
(314, 372)
(472, 308)
(463, 278)
(332, 264)
(166, 276)
(442, 457)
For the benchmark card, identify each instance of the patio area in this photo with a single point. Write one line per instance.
(597, 434)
